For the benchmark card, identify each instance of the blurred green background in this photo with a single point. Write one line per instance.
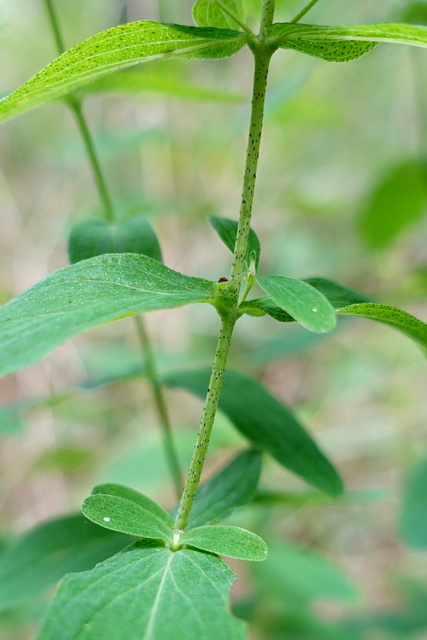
(342, 189)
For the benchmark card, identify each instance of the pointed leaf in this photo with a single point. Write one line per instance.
(85, 295)
(303, 302)
(96, 237)
(267, 423)
(397, 201)
(210, 13)
(401, 320)
(329, 50)
(232, 542)
(114, 49)
(49, 551)
(413, 516)
(146, 592)
(231, 487)
(227, 231)
(136, 497)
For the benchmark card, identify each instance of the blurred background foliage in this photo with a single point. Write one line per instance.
(341, 194)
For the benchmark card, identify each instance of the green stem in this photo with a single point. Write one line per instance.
(262, 51)
(304, 11)
(206, 422)
(159, 400)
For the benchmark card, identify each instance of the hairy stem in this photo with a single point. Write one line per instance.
(304, 11)
(109, 215)
(159, 400)
(262, 51)
(206, 422)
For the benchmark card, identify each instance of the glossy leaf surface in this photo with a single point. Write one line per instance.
(114, 49)
(401, 320)
(303, 302)
(86, 295)
(96, 237)
(49, 551)
(232, 542)
(210, 13)
(266, 423)
(231, 487)
(227, 231)
(141, 593)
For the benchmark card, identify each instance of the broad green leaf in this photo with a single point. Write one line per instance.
(401, 320)
(49, 551)
(96, 237)
(85, 295)
(162, 81)
(146, 592)
(136, 497)
(396, 202)
(347, 40)
(413, 515)
(293, 574)
(227, 231)
(303, 302)
(232, 542)
(127, 516)
(332, 51)
(114, 49)
(218, 13)
(231, 487)
(267, 423)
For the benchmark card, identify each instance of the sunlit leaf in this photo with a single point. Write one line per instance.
(213, 13)
(114, 49)
(303, 302)
(227, 231)
(49, 551)
(266, 423)
(149, 592)
(85, 295)
(232, 542)
(401, 320)
(96, 237)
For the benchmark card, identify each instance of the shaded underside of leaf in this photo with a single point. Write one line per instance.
(266, 423)
(394, 317)
(231, 487)
(146, 592)
(114, 49)
(232, 542)
(49, 551)
(85, 295)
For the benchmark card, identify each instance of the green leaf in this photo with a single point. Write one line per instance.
(125, 510)
(295, 36)
(114, 49)
(146, 592)
(96, 237)
(227, 231)
(305, 304)
(413, 515)
(208, 13)
(232, 487)
(395, 203)
(267, 423)
(232, 542)
(85, 295)
(49, 551)
(401, 320)
(162, 81)
(136, 497)
(293, 574)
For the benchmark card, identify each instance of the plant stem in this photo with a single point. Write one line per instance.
(206, 422)
(304, 11)
(262, 51)
(109, 215)
(159, 400)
